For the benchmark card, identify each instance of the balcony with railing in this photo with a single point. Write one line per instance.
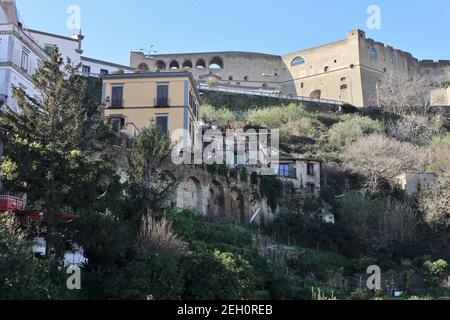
(162, 102)
(116, 104)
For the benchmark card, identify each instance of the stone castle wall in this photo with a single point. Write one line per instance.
(346, 70)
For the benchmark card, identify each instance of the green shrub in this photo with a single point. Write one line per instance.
(352, 128)
(220, 116)
(272, 188)
(216, 276)
(273, 117)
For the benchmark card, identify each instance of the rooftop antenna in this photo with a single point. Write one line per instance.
(150, 52)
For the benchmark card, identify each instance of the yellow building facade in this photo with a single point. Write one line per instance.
(170, 99)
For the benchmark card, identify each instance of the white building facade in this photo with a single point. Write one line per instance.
(23, 50)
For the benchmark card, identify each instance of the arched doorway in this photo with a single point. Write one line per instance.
(187, 64)
(201, 64)
(143, 67)
(216, 63)
(216, 199)
(189, 195)
(160, 65)
(174, 65)
(316, 94)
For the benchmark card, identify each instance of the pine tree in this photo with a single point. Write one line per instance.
(47, 143)
(151, 180)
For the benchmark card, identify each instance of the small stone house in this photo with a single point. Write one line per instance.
(304, 174)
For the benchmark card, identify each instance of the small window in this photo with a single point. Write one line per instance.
(246, 78)
(86, 71)
(162, 124)
(344, 87)
(326, 69)
(103, 72)
(49, 50)
(352, 66)
(283, 170)
(373, 53)
(310, 169)
(117, 97)
(297, 61)
(343, 79)
(24, 62)
(162, 95)
(230, 78)
(310, 188)
(302, 85)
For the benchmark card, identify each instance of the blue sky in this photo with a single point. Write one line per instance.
(114, 28)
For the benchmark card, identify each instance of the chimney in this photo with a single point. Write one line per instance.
(80, 38)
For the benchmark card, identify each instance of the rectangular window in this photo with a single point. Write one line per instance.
(86, 71)
(103, 72)
(292, 171)
(310, 188)
(117, 97)
(310, 169)
(162, 123)
(24, 62)
(162, 95)
(283, 171)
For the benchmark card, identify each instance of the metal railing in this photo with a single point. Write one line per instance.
(116, 104)
(161, 103)
(267, 93)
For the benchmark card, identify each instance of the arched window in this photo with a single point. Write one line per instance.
(143, 67)
(297, 61)
(187, 64)
(373, 53)
(161, 65)
(216, 63)
(201, 64)
(316, 94)
(174, 65)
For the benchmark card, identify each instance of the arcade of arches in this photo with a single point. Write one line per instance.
(220, 198)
